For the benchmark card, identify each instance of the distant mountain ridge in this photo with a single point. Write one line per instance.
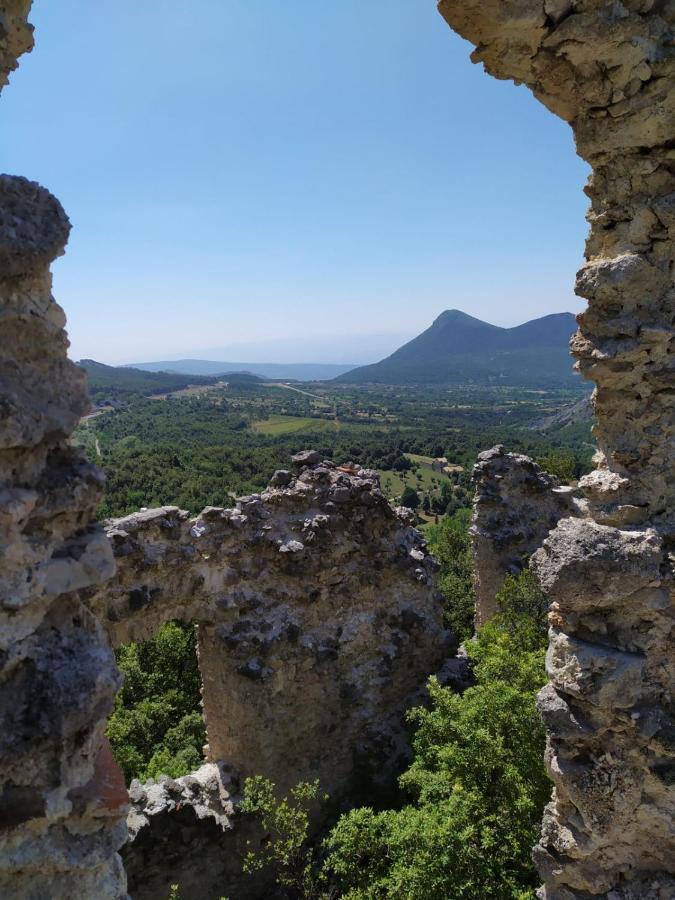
(121, 383)
(460, 349)
(293, 371)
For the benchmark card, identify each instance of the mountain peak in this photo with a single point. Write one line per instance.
(459, 349)
(455, 315)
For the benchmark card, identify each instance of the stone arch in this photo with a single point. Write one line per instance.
(605, 67)
(317, 618)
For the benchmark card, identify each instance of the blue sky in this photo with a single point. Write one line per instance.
(302, 180)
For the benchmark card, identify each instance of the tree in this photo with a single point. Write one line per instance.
(450, 544)
(286, 826)
(410, 498)
(560, 462)
(156, 727)
(476, 788)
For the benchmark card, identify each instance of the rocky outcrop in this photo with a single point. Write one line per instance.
(607, 68)
(16, 35)
(62, 799)
(516, 505)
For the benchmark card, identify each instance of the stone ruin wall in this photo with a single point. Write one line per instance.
(318, 624)
(62, 803)
(62, 800)
(607, 68)
(317, 617)
(516, 505)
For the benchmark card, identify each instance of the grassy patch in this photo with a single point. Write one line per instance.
(276, 425)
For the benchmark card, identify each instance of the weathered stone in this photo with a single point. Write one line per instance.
(608, 68)
(187, 831)
(310, 650)
(516, 505)
(285, 622)
(62, 800)
(306, 458)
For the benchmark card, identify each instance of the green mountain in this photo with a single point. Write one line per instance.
(459, 349)
(280, 371)
(120, 383)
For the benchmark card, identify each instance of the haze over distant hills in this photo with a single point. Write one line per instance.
(457, 348)
(294, 371)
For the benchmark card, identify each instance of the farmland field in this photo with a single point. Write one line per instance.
(276, 425)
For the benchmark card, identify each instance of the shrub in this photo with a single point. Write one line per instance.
(449, 542)
(562, 463)
(156, 727)
(475, 790)
(286, 826)
(410, 498)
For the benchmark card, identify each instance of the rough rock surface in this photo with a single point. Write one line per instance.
(317, 623)
(186, 831)
(315, 605)
(62, 800)
(516, 504)
(608, 69)
(16, 35)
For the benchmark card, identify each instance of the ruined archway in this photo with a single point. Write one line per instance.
(316, 611)
(317, 625)
(605, 67)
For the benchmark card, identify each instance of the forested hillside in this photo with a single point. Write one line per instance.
(459, 349)
(121, 384)
(202, 449)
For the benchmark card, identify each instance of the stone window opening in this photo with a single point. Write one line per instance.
(157, 727)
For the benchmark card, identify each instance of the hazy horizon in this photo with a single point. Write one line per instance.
(309, 172)
(353, 350)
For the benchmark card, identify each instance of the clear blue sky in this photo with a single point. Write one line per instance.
(241, 171)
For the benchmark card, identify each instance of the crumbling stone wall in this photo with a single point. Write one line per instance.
(318, 624)
(62, 800)
(317, 618)
(607, 68)
(188, 831)
(516, 505)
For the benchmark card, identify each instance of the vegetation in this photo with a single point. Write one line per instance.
(562, 463)
(157, 727)
(292, 425)
(122, 384)
(285, 823)
(471, 802)
(198, 450)
(410, 498)
(449, 542)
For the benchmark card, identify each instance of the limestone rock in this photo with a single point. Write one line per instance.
(515, 506)
(315, 604)
(608, 68)
(62, 804)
